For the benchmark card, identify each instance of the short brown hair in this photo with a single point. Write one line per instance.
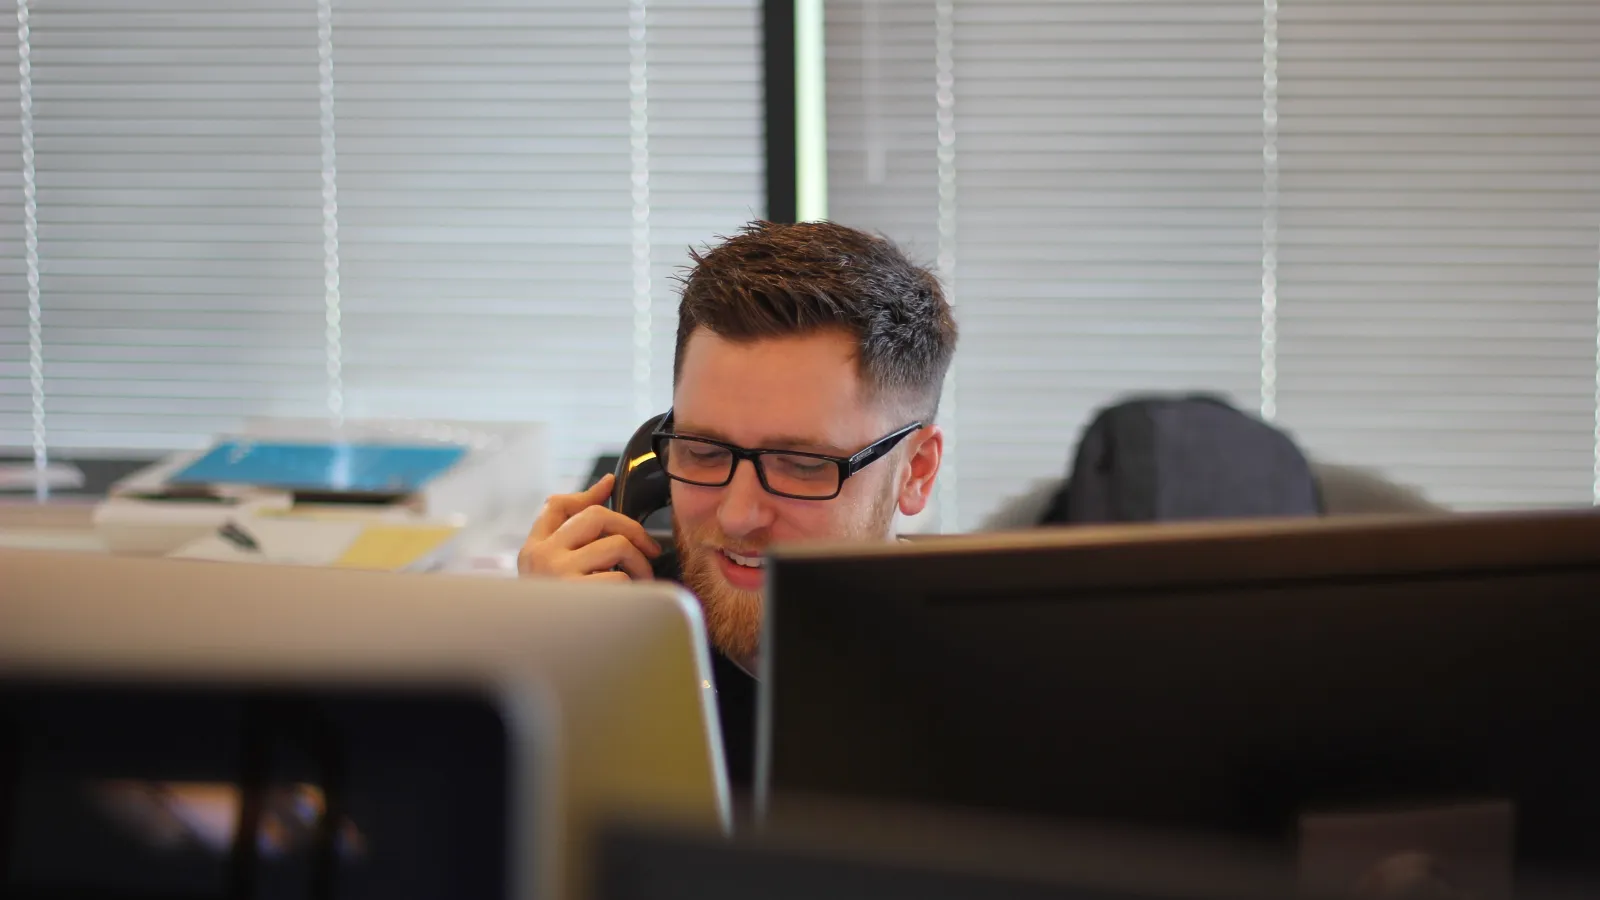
(772, 280)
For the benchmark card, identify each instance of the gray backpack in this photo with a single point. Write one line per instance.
(1154, 458)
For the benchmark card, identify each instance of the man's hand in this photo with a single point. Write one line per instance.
(576, 536)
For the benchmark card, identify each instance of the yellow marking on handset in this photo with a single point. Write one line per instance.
(639, 461)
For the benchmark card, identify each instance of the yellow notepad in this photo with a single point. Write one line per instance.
(394, 547)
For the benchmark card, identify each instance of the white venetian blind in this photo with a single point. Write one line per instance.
(1109, 163)
(1379, 222)
(491, 198)
(706, 147)
(176, 150)
(485, 215)
(1107, 168)
(1441, 242)
(379, 207)
(882, 125)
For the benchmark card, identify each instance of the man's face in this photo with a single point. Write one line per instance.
(800, 393)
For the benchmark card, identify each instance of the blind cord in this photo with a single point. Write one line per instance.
(945, 100)
(30, 230)
(1269, 210)
(333, 334)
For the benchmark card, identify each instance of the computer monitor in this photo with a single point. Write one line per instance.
(1350, 688)
(849, 851)
(383, 734)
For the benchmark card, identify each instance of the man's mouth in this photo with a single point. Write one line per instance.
(748, 562)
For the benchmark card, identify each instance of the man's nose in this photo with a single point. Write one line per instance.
(746, 506)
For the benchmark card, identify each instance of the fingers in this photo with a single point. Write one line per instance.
(596, 558)
(561, 507)
(615, 551)
(575, 537)
(528, 561)
(619, 577)
(591, 524)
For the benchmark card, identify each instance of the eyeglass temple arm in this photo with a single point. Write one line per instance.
(871, 453)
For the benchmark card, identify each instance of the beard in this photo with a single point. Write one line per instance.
(733, 616)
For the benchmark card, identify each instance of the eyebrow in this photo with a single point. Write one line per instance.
(775, 442)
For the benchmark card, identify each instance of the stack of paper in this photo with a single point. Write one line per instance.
(469, 472)
(330, 538)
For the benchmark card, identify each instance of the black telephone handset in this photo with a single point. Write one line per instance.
(641, 491)
(641, 487)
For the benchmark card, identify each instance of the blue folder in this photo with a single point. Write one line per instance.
(335, 468)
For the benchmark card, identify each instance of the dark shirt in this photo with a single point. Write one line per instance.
(736, 707)
(736, 701)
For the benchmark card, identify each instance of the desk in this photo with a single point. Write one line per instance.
(68, 524)
(60, 525)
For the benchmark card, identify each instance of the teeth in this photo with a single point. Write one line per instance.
(749, 562)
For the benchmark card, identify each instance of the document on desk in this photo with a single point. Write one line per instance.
(340, 542)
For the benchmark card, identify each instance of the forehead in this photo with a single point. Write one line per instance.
(750, 392)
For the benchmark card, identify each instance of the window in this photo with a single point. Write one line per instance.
(1378, 223)
(381, 208)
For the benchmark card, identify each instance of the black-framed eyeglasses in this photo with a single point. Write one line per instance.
(786, 473)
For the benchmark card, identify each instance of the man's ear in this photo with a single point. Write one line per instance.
(920, 468)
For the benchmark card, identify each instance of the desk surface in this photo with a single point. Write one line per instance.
(66, 521)
(66, 524)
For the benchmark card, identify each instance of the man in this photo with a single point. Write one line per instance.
(806, 379)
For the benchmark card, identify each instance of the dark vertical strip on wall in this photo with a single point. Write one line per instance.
(777, 28)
